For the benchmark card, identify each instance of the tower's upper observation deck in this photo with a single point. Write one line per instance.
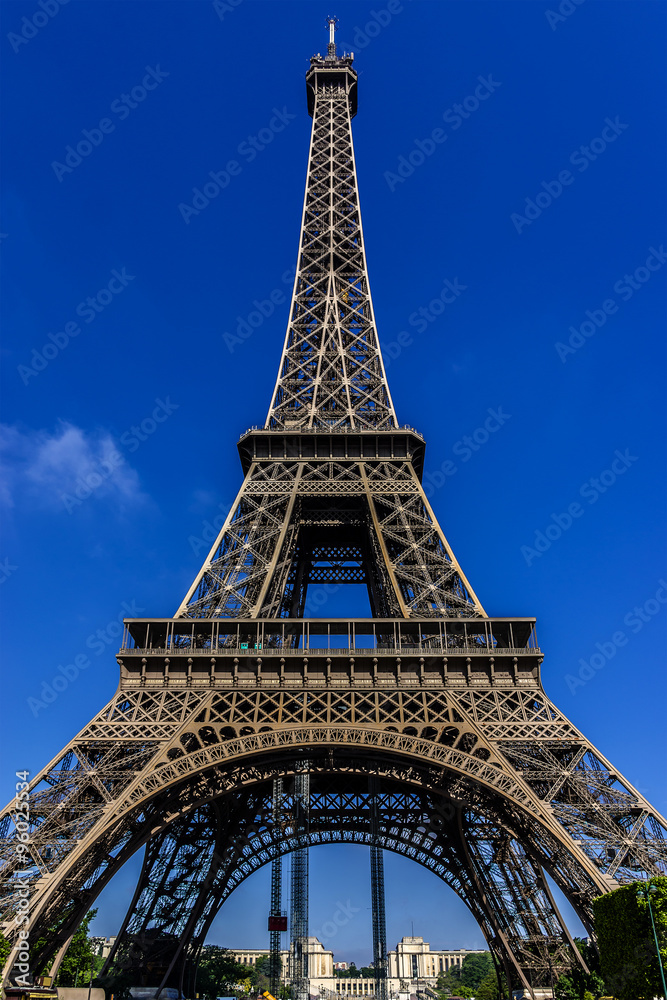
(332, 71)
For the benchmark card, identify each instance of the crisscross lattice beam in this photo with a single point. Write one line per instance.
(262, 561)
(331, 372)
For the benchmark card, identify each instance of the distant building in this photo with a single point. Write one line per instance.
(412, 967)
(413, 959)
(102, 946)
(320, 961)
(344, 987)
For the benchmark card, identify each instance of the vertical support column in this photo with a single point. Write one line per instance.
(275, 915)
(377, 897)
(299, 889)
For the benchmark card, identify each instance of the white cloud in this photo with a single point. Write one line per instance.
(64, 469)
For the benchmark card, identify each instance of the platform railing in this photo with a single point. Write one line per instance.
(259, 650)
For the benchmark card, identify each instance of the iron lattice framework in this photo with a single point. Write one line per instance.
(377, 896)
(276, 912)
(331, 372)
(299, 886)
(424, 730)
(332, 490)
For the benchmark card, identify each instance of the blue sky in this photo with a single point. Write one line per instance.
(542, 203)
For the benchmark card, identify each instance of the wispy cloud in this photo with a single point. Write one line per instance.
(48, 468)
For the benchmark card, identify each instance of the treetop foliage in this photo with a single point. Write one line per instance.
(628, 956)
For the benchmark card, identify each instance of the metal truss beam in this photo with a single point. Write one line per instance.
(331, 372)
(377, 895)
(209, 883)
(262, 561)
(434, 830)
(276, 911)
(299, 886)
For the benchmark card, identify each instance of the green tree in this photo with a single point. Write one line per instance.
(577, 984)
(219, 973)
(628, 958)
(367, 971)
(488, 988)
(260, 974)
(580, 985)
(467, 992)
(475, 968)
(449, 981)
(263, 966)
(451, 984)
(589, 954)
(80, 963)
(5, 949)
(565, 989)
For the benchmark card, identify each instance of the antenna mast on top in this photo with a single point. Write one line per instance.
(333, 27)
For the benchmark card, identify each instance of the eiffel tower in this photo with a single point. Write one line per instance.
(423, 729)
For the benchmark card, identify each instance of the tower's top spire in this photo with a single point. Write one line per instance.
(333, 27)
(331, 373)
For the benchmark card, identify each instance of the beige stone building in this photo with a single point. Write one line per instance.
(102, 945)
(414, 960)
(411, 966)
(320, 961)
